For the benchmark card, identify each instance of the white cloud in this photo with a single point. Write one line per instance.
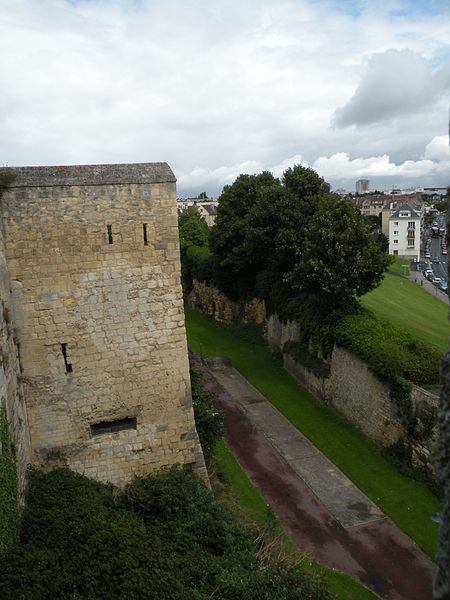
(395, 83)
(212, 83)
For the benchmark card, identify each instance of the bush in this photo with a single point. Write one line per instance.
(390, 352)
(208, 418)
(163, 538)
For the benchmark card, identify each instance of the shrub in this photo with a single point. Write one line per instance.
(390, 352)
(164, 537)
(208, 418)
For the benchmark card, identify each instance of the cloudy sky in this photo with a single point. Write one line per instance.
(222, 87)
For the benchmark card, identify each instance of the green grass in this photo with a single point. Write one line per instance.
(255, 509)
(409, 307)
(398, 266)
(409, 503)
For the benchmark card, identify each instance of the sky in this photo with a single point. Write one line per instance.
(217, 88)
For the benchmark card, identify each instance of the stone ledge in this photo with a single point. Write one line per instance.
(67, 175)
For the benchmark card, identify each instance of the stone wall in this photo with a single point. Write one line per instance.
(209, 300)
(92, 254)
(11, 392)
(364, 399)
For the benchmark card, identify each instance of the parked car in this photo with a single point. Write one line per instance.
(444, 251)
(443, 285)
(436, 281)
(436, 259)
(430, 276)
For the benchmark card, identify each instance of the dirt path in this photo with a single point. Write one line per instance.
(377, 553)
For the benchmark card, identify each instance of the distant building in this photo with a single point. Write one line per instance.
(404, 232)
(373, 204)
(206, 208)
(362, 186)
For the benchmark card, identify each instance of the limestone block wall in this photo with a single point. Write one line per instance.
(92, 253)
(364, 399)
(11, 392)
(209, 300)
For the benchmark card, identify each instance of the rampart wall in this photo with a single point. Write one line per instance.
(93, 261)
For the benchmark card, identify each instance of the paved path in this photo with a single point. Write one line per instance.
(321, 508)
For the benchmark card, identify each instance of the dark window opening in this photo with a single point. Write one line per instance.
(144, 227)
(64, 353)
(113, 426)
(110, 239)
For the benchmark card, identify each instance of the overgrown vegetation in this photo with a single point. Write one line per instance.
(208, 417)
(9, 512)
(390, 352)
(285, 241)
(164, 537)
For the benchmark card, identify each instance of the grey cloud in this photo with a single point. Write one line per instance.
(397, 82)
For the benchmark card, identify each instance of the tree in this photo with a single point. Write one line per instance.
(202, 196)
(237, 261)
(341, 258)
(193, 230)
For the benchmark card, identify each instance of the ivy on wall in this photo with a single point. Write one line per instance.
(9, 513)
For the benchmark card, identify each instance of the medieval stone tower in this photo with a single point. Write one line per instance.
(92, 262)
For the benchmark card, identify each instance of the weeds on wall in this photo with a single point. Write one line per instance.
(9, 512)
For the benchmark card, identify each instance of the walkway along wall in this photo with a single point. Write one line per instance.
(92, 262)
(351, 387)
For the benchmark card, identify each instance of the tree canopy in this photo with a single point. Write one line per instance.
(278, 239)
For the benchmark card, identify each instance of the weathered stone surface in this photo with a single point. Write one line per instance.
(98, 314)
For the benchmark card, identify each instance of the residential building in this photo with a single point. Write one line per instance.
(404, 232)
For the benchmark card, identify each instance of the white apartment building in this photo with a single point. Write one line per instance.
(405, 232)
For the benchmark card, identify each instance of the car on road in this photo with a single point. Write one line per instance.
(436, 259)
(444, 251)
(436, 281)
(443, 285)
(427, 255)
(427, 272)
(430, 276)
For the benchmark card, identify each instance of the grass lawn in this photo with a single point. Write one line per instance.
(409, 503)
(254, 507)
(409, 307)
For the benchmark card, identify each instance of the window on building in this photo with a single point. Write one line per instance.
(411, 224)
(110, 236)
(395, 222)
(410, 243)
(395, 231)
(395, 241)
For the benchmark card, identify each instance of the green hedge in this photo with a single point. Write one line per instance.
(164, 537)
(388, 351)
(9, 514)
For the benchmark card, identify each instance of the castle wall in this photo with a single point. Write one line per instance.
(93, 258)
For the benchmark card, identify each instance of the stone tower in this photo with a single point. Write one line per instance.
(93, 260)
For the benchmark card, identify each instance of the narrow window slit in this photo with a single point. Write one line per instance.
(144, 228)
(64, 353)
(113, 426)
(110, 238)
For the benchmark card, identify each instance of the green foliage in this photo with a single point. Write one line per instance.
(409, 504)
(277, 240)
(236, 262)
(193, 230)
(9, 514)
(341, 259)
(163, 537)
(390, 352)
(208, 418)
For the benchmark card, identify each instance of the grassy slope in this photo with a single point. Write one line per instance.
(409, 503)
(405, 304)
(255, 508)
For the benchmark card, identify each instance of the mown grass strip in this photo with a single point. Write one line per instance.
(254, 507)
(409, 503)
(410, 307)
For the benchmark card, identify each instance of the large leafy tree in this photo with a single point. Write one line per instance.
(237, 259)
(193, 230)
(340, 258)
